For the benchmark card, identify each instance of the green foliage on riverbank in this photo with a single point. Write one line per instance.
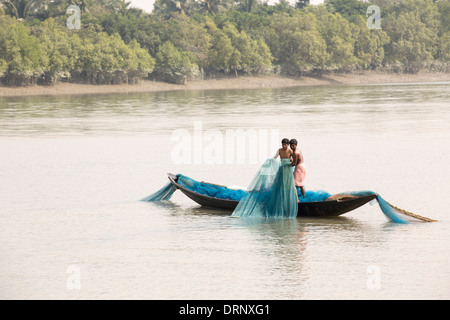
(193, 39)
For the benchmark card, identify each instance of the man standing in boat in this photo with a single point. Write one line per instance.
(297, 162)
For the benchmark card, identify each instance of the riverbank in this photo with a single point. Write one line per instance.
(244, 82)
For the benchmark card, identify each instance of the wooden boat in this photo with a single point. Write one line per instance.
(334, 206)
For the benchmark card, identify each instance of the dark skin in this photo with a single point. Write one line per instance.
(295, 161)
(285, 152)
(295, 157)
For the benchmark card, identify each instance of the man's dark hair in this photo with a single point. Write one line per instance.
(293, 141)
(285, 141)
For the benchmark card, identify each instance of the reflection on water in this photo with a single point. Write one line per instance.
(348, 108)
(73, 168)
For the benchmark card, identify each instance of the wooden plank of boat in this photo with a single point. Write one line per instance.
(339, 204)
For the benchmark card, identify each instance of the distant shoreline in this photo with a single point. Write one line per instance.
(227, 83)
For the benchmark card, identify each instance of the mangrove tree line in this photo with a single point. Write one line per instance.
(113, 43)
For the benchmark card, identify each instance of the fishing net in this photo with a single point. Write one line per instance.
(211, 190)
(165, 193)
(392, 212)
(313, 195)
(270, 195)
(207, 189)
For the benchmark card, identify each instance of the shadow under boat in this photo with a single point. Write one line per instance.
(334, 206)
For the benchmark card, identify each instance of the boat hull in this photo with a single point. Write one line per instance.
(327, 208)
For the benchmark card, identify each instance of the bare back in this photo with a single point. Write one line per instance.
(297, 158)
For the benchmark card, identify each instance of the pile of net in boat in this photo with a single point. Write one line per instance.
(393, 213)
(207, 189)
(222, 192)
(211, 190)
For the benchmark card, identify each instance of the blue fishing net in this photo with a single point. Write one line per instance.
(313, 195)
(211, 190)
(222, 192)
(165, 193)
(261, 201)
(270, 195)
(389, 211)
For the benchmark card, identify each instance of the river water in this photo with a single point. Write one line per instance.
(73, 169)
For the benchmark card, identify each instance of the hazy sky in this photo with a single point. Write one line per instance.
(147, 5)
